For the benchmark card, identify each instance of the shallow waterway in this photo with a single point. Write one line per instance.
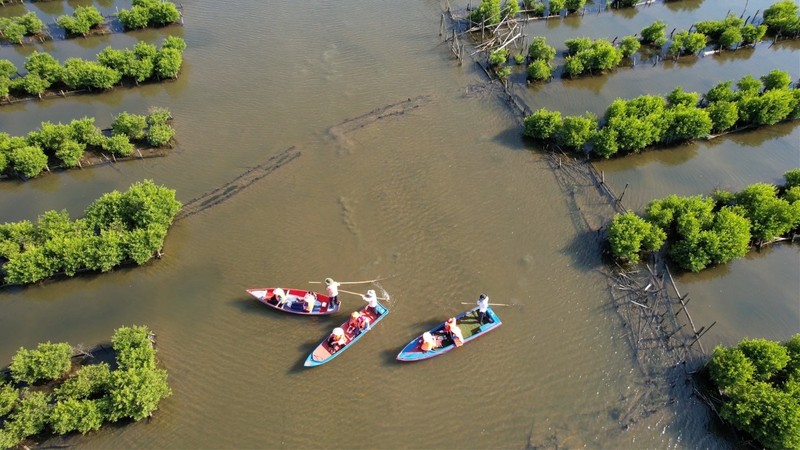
(444, 201)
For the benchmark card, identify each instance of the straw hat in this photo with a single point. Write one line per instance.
(329, 281)
(338, 331)
(279, 293)
(370, 293)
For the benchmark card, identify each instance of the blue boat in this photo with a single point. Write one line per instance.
(324, 352)
(470, 328)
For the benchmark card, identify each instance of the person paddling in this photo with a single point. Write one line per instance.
(372, 301)
(483, 305)
(332, 287)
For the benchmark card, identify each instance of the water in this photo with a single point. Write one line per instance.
(445, 201)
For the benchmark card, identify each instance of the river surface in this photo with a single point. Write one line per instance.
(444, 202)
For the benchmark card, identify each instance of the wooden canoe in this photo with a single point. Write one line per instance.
(467, 321)
(294, 301)
(323, 352)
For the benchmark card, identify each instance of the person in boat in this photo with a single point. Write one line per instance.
(337, 339)
(332, 287)
(372, 301)
(483, 305)
(358, 322)
(429, 342)
(454, 332)
(278, 297)
(310, 300)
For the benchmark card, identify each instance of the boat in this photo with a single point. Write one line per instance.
(295, 301)
(324, 353)
(467, 322)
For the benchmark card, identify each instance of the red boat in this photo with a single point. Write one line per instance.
(295, 301)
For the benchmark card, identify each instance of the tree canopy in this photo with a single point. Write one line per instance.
(118, 227)
(91, 396)
(758, 380)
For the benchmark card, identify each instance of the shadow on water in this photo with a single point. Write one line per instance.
(584, 248)
(686, 5)
(86, 275)
(304, 350)
(756, 137)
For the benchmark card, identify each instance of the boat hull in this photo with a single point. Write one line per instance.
(469, 320)
(295, 303)
(324, 353)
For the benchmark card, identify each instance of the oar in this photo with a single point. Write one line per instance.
(356, 293)
(350, 282)
(490, 304)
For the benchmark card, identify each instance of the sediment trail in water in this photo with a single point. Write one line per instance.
(340, 131)
(238, 184)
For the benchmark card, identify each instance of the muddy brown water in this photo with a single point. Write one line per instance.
(445, 201)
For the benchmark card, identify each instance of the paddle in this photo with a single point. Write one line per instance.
(356, 293)
(350, 282)
(490, 304)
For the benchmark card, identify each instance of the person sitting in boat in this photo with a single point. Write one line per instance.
(332, 287)
(429, 342)
(337, 339)
(454, 332)
(358, 322)
(372, 301)
(310, 300)
(278, 297)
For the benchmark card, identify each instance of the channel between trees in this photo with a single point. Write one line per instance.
(585, 56)
(755, 386)
(87, 20)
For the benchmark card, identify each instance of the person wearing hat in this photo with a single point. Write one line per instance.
(429, 342)
(453, 331)
(337, 339)
(278, 297)
(483, 305)
(310, 300)
(333, 292)
(372, 301)
(352, 324)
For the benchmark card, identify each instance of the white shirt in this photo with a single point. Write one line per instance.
(371, 300)
(333, 289)
(483, 305)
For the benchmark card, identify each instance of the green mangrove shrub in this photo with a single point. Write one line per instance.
(90, 397)
(759, 382)
(148, 13)
(701, 231)
(142, 63)
(630, 126)
(13, 29)
(117, 228)
(64, 145)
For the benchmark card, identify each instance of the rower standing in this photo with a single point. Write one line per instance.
(332, 287)
(483, 305)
